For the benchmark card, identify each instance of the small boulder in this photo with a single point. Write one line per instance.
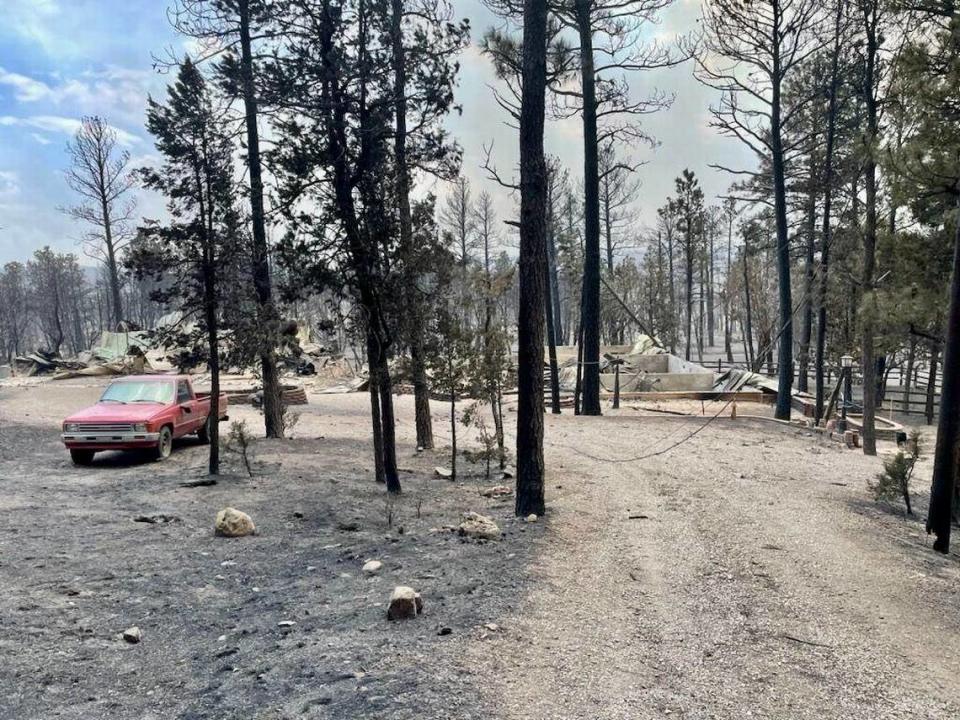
(233, 523)
(405, 602)
(497, 491)
(132, 635)
(531, 518)
(475, 525)
(372, 567)
(443, 472)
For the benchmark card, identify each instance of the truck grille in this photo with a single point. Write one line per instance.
(104, 427)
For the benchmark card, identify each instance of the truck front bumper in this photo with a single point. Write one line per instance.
(109, 440)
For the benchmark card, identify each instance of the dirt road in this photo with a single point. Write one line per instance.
(745, 574)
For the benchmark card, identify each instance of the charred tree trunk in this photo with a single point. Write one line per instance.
(752, 358)
(785, 356)
(711, 316)
(272, 401)
(213, 349)
(806, 330)
(373, 365)
(943, 489)
(112, 268)
(673, 295)
(533, 262)
(453, 427)
(911, 358)
(421, 388)
(825, 238)
(591, 212)
(727, 310)
(931, 396)
(689, 298)
(868, 300)
(552, 354)
(554, 280)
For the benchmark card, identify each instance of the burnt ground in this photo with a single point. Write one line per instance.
(747, 572)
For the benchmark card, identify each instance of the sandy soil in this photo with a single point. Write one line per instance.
(745, 573)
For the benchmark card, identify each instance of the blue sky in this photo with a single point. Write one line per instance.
(63, 59)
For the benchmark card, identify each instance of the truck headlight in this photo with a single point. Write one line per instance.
(140, 427)
(70, 427)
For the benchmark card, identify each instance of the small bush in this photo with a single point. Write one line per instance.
(240, 441)
(894, 482)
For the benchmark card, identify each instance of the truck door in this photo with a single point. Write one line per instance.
(186, 421)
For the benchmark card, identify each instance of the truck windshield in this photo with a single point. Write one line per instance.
(146, 392)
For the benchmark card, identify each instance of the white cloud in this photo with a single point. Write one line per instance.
(60, 125)
(9, 184)
(115, 92)
(25, 89)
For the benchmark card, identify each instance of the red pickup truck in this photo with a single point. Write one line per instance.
(141, 412)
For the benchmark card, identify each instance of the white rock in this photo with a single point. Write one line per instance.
(372, 567)
(532, 517)
(132, 635)
(405, 602)
(286, 623)
(443, 472)
(497, 491)
(233, 523)
(475, 525)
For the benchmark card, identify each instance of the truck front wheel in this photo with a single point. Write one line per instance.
(81, 457)
(164, 444)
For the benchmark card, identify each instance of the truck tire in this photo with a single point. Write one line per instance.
(164, 443)
(203, 432)
(82, 457)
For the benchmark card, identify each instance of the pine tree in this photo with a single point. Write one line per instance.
(191, 253)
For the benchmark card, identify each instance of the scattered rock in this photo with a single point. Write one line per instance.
(532, 517)
(443, 472)
(372, 567)
(352, 526)
(233, 523)
(497, 491)
(492, 627)
(405, 602)
(286, 623)
(475, 525)
(508, 472)
(155, 519)
(444, 631)
(132, 635)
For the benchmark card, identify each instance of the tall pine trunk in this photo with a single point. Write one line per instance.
(868, 299)
(825, 236)
(785, 356)
(806, 329)
(268, 319)
(421, 388)
(943, 489)
(590, 402)
(532, 263)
